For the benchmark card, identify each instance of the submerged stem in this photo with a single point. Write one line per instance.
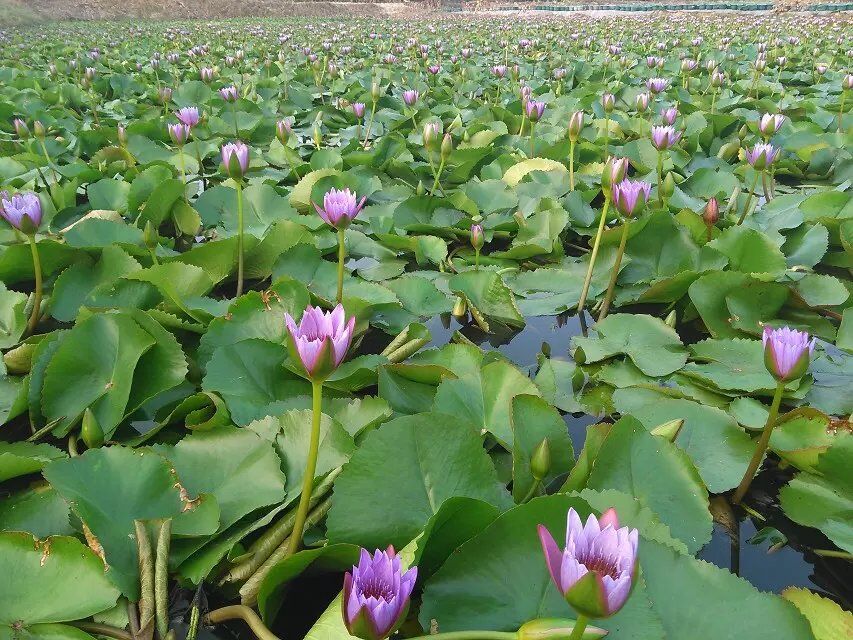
(240, 612)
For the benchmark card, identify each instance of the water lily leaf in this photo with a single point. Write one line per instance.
(654, 347)
(822, 290)
(109, 488)
(832, 391)
(716, 445)
(659, 474)
(61, 566)
(484, 398)
(801, 436)
(749, 251)
(488, 294)
(251, 377)
(22, 458)
(102, 380)
(827, 619)
(421, 461)
(39, 511)
(732, 365)
(534, 420)
(13, 317)
(517, 172)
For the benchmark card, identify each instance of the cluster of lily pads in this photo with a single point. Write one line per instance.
(252, 274)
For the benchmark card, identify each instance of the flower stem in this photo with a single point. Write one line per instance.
(102, 630)
(768, 196)
(342, 252)
(749, 198)
(841, 112)
(310, 468)
(531, 492)
(369, 125)
(476, 259)
(184, 173)
(763, 442)
(531, 138)
(571, 165)
(580, 627)
(34, 316)
(594, 254)
(234, 113)
(611, 286)
(240, 612)
(606, 135)
(239, 238)
(660, 178)
(437, 183)
(470, 635)
(161, 579)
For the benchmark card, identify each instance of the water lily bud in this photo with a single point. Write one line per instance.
(459, 308)
(38, 130)
(847, 82)
(235, 159)
(374, 92)
(670, 319)
(641, 102)
(608, 101)
(431, 132)
(669, 430)
(421, 189)
(90, 430)
(283, 131)
(556, 629)
(19, 360)
(743, 132)
(668, 186)
(446, 146)
(575, 126)
(711, 212)
(21, 129)
(149, 235)
(317, 135)
(477, 239)
(613, 173)
(540, 461)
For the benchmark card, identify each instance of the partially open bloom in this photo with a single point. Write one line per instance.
(770, 123)
(499, 70)
(339, 208)
(847, 82)
(283, 131)
(614, 171)
(206, 74)
(376, 595)
(641, 102)
(535, 109)
(165, 95)
(669, 115)
(235, 158)
(657, 85)
(432, 130)
(629, 196)
(762, 155)
(22, 211)
(179, 133)
(320, 341)
(597, 569)
(410, 97)
(358, 109)
(664, 137)
(608, 101)
(21, 129)
(229, 94)
(787, 352)
(188, 116)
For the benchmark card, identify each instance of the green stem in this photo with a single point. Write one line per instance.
(184, 173)
(713, 101)
(841, 112)
(832, 553)
(761, 448)
(240, 612)
(606, 135)
(436, 184)
(34, 316)
(660, 178)
(531, 138)
(49, 162)
(310, 468)
(470, 635)
(571, 165)
(146, 578)
(369, 125)
(239, 238)
(592, 256)
(161, 579)
(476, 259)
(611, 286)
(342, 253)
(749, 198)
(200, 166)
(531, 492)
(102, 630)
(580, 627)
(234, 113)
(768, 196)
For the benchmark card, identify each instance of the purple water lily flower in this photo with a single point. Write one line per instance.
(410, 97)
(535, 109)
(657, 85)
(22, 210)
(358, 109)
(376, 595)
(641, 102)
(608, 101)
(664, 137)
(629, 196)
(477, 239)
(206, 74)
(669, 115)
(787, 352)
(229, 94)
(597, 569)
(499, 70)
(21, 128)
(188, 116)
(340, 206)
(762, 155)
(235, 158)
(320, 341)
